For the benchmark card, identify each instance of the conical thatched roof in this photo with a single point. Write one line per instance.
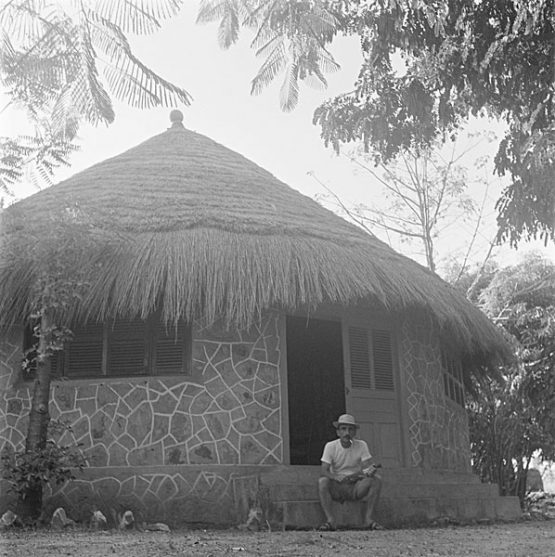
(198, 230)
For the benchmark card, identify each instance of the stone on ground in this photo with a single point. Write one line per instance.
(60, 519)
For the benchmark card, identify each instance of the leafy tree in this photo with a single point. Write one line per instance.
(512, 417)
(54, 273)
(459, 58)
(63, 61)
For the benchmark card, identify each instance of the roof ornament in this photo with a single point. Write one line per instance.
(176, 118)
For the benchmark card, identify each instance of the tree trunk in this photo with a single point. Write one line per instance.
(31, 502)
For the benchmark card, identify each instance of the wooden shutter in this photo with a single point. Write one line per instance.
(360, 358)
(83, 355)
(127, 343)
(383, 360)
(172, 348)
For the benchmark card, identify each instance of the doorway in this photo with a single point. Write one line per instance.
(316, 385)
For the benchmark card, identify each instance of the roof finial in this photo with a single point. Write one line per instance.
(176, 118)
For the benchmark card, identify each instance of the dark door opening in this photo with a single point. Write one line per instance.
(316, 385)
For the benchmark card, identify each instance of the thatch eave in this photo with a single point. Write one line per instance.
(183, 224)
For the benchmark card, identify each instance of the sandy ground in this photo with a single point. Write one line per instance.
(534, 539)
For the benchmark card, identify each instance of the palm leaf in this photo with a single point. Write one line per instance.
(20, 20)
(228, 30)
(275, 61)
(212, 10)
(289, 91)
(141, 17)
(231, 13)
(129, 79)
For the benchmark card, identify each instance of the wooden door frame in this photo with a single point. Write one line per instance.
(332, 312)
(378, 319)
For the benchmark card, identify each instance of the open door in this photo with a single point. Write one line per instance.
(316, 385)
(373, 386)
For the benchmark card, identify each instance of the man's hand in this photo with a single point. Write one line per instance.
(371, 470)
(352, 478)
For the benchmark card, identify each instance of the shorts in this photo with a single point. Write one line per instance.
(343, 491)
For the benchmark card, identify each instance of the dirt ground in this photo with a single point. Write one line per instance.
(534, 539)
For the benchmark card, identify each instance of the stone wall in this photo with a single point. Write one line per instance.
(227, 412)
(176, 495)
(438, 427)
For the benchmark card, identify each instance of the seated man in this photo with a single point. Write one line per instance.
(348, 474)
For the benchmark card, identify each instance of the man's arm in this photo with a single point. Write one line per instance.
(368, 467)
(325, 470)
(366, 463)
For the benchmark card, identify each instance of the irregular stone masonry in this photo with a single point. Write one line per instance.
(438, 428)
(175, 495)
(228, 412)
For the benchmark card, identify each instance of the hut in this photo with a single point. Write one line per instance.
(220, 321)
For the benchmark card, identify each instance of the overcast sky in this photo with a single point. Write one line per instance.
(286, 144)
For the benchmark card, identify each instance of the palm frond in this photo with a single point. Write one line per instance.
(316, 81)
(35, 73)
(232, 14)
(141, 17)
(212, 10)
(20, 19)
(261, 18)
(128, 77)
(85, 96)
(275, 61)
(306, 29)
(289, 91)
(228, 30)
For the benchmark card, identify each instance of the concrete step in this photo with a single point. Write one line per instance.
(400, 512)
(410, 496)
(306, 474)
(308, 492)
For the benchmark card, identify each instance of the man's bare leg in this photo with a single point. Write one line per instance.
(369, 490)
(325, 499)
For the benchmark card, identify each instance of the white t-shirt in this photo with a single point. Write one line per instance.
(344, 462)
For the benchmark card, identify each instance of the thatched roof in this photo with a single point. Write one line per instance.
(200, 231)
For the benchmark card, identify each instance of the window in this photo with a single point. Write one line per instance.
(124, 348)
(453, 379)
(371, 355)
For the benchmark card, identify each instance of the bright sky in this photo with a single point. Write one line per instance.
(286, 144)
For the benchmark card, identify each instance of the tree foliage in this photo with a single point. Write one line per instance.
(457, 58)
(289, 36)
(64, 62)
(29, 471)
(52, 273)
(513, 417)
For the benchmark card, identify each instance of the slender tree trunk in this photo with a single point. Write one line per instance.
(31, 502)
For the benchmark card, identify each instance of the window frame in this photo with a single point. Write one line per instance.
(61, 362)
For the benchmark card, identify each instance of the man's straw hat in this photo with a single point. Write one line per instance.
(345, 419)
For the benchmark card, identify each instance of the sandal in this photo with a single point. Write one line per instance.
(327, 527)
(374, 526)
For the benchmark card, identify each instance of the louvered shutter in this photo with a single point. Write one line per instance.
(83, 354)
(171, 349)
(360, 358)
(383, 360)
(127, 342)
